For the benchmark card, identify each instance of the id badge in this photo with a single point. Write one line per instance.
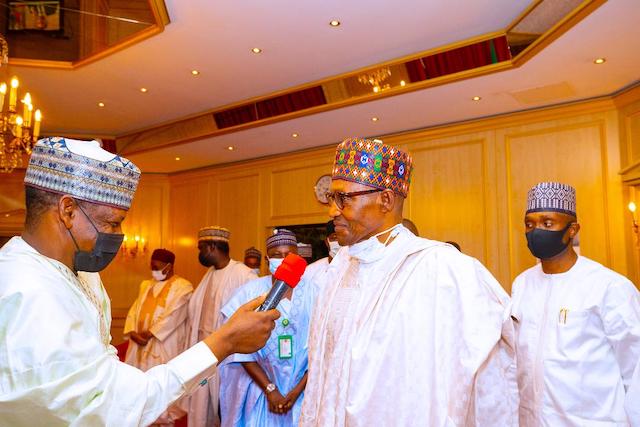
(285, 347)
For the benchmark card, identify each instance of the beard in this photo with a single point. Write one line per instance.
(204, 260)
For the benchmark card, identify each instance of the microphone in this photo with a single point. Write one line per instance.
(287, 276)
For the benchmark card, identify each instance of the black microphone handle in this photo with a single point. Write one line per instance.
(274, 296)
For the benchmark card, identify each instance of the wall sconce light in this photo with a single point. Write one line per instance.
(634, 222)
(132, 247)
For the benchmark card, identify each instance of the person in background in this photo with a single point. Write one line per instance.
(223, 277)
(577, 323)
(253, 259)
(156, 325)
(317, 270)
(266, 388)
(305, 250)
(406, 331)
(57, 366)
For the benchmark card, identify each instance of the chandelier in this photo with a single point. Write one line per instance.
(19, 123)
(375, 78)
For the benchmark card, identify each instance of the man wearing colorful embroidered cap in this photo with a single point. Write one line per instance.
(221, 280)
(266, 388)
(408, 331)
(253, 259)
(578, 323)
(56, 364)
(156, 325)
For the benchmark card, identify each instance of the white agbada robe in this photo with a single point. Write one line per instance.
(577, 340)
(316, 269)
(411, 334)
(213, 292)
(168, 324)
(632, 401)
(58, 369)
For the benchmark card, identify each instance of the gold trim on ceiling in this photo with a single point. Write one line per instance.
(160, 17)
(345, 90)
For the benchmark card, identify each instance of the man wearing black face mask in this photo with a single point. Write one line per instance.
(56, 364)
(577, 323)
(222, 279)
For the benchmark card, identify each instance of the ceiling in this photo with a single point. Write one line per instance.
(299, 47)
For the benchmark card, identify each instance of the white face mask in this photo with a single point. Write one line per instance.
(372, 249)
(334, 247)
(256, 270)
(158, 275)
(274, 263)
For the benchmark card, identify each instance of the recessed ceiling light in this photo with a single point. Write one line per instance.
(374, 119)
(144, 90)
(195, 72)
(230, 148)
(476, 98)
(403, 83)
(334, 23)
(177, 158)
(100, 104)
(256, 50)
(295, 135)
(599, 61)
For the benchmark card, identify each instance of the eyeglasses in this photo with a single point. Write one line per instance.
(338, 197)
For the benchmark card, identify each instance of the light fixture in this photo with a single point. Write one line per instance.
(374, 119)
(100, 104)
(144, 90)
(18, 132)
(177, 158)
(334, 23)
(256, 50)
(295, 135)
(195, 72)
(133, 247)
(476, 98)
(230, 148)
(634, 222)
(375, 78)
(599, 61)
(403, 83)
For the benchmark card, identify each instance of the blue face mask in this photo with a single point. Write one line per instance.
(274, 263)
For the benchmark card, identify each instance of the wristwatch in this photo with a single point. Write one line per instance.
(269, 388)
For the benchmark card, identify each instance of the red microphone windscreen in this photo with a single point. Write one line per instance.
(291, 270)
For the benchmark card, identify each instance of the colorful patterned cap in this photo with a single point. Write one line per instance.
(552, 197)
(214, 232)
(83, 170)
(252, 253)
(373, 163)
(281, 237)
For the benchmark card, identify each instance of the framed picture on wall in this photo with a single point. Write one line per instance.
(45, 15)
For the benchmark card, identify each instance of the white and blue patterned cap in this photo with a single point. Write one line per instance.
(281, 237)
(552, 197)
(83, 170)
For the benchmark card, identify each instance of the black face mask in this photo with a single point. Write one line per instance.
(105, 250)
(204, 260)
(545, 244)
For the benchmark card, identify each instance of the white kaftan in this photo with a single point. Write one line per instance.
(632, 403)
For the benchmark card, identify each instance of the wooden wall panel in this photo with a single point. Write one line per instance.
(292, 194)
(447, 197)
(572, 153)
(238, 210)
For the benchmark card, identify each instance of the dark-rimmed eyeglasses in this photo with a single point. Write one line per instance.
(338, 197)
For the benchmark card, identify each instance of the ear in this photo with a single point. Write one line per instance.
(66, 210)
(573, 230)
(388, 200)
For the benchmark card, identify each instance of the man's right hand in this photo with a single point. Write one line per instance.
(246, 331)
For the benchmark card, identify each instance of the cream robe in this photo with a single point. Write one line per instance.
(57, 370)
(213, 292)
(578, 341)
(169, 327)
(419, 336)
